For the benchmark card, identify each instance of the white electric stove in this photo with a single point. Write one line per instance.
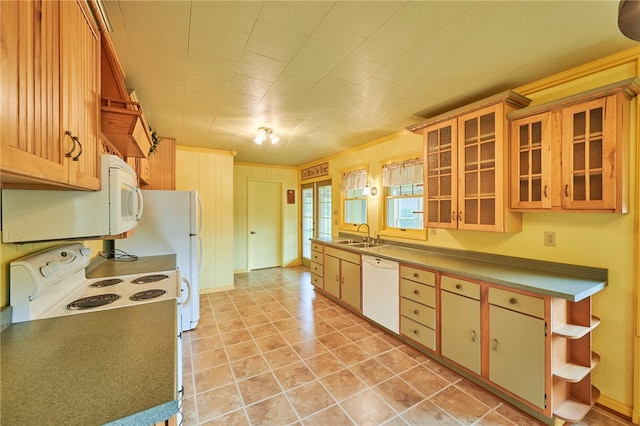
(52, 283)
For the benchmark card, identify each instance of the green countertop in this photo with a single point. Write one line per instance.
(113, 366)
(570, 282)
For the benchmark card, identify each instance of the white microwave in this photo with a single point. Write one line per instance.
(43, 215)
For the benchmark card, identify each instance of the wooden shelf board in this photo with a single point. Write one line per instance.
(572, 411)
(572, 331)
(573, 373)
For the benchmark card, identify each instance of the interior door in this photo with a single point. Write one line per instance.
(265, 224)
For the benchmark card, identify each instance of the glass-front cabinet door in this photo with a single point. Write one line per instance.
(588, 153)
(440, 155)
(531, 162)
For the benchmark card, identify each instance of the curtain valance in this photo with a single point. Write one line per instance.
(406, 172)
(354, 179)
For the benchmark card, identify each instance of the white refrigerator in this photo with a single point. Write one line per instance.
(170, 223)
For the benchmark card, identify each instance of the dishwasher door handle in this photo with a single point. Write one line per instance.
(380, 263)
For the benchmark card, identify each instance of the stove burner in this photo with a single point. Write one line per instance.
(147, 294)
(106, 283)
(92, 302)
(150, 279)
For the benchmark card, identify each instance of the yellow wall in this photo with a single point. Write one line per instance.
(210, 173)
(603, 240)
(243, 173)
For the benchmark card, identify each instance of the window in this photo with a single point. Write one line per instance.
(404, 201)
(354, 203)
(404, 206)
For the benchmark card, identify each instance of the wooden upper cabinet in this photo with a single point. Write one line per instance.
(569, 154)
(466, 173)
(49, 82)
(161, 166)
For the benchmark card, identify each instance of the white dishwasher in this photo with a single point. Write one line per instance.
(381, 291)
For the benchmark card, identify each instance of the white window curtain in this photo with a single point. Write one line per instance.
(355, 179)
(402, 173)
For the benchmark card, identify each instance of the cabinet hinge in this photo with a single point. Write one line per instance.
(545, 400)
(545, 329)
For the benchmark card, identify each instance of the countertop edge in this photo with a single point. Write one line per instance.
(149, 417)
(578, 282)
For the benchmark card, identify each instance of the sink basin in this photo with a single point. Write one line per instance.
(342, 241)
(365, 245)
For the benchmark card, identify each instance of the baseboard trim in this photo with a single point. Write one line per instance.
(616, 406)
(216, 289)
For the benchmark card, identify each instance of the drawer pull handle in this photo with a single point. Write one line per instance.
(473, 336)
(494, 345)
(416, 292)
(416, 332)
(416, 312)
(513, 301)
(459, 286)
(415, 275)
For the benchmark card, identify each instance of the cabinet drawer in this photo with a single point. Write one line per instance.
(419, 275)
(344, 255)
(317, 247)
(316, 256)
(461, 287)
(425, 315)
(529, 305)
(418, 332)
(316, 268)
(318, 281)
(418, 292)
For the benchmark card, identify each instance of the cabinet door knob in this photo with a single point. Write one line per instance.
(459, 286)
(513, 301)
(546, 191)
(416, 292)
(73, 147)
(416, 332)
(473, 336)
(415, 275)
(460, 215)
(77, 140)
(416, 312)
(494, 345)
(453, 216)
(566, 190)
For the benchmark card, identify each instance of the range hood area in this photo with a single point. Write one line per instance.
(122, 119)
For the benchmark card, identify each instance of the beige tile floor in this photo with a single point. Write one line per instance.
(274, 352)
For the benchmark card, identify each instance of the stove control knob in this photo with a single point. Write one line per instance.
(49, 269)
(85, 251)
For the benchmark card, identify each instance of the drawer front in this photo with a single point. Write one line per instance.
(344, 255)
(316, 268)
(529, 305)
(316, 256)
(317, 247)
(418, 332)
(419, 275)
(317, 281)
(459, 286)
(418, 292)
(425, 315)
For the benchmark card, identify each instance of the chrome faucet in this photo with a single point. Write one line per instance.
(368, 231)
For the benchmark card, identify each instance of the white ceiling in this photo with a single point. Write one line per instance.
(328, 76)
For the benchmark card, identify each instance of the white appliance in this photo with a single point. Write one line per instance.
(42, 215)
(171, 224)
(52, 283)
(381, 291)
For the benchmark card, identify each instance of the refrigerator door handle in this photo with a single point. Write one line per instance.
(200, 211)
(188, 301)
(200, 253)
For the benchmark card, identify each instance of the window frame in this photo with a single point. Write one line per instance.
(344, 225)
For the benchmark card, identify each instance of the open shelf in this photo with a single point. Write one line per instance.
(572, 331)
(572, 411)
(574, 373)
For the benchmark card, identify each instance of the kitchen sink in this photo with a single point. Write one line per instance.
(365, 244)
(343, 242)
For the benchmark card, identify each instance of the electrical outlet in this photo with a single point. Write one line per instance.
(432, 231)
(550, 239)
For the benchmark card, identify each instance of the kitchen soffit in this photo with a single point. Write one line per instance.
(328, 76)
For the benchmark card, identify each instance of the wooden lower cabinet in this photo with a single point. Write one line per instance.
(342, 276)
(460, 330)
(317, 268)
(517, 354)
(418, 314)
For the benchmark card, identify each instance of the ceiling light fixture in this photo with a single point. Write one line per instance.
(265, 133)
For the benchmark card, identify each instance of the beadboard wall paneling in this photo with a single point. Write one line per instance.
(211, 174)
(242, 173)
